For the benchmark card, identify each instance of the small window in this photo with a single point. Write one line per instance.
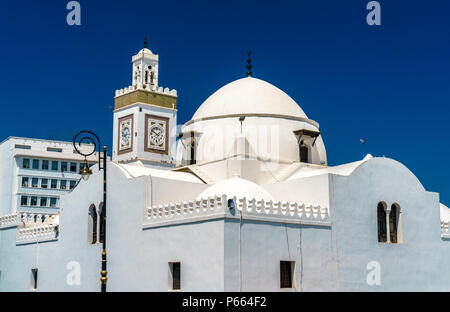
(34, 276)
(81, 167)
(381, 217)
(22, 146)
(287, 274)
(43, 202)
(44, 183)
(54, 165)
(53, 183)
(53, 202)
(35, 163)
(73, 167)
(174, 275)
(34, 182)
(72, 184)
(25, 181)
(63, 184)
(394, 218)
(63, 166)
(33, 201)
(54, 149)
(24, 200)
(25, 163)
(92, 225)
(304, 152)
(45, 165)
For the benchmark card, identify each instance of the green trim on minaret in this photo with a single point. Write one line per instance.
(249, 65)
(145, 43)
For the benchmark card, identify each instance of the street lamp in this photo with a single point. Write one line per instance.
(91, 138)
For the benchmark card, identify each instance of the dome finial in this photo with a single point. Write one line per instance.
(145, 43)
(249, 65)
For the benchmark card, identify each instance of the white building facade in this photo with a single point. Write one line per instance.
(35, 173)
(241, 199)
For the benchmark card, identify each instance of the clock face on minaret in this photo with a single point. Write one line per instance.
(156, 134)
(125, 137)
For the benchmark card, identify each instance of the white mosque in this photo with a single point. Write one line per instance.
(239, 199)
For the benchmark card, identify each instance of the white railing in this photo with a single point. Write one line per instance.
(8, 220)
(147, 87)
(219, 207)
(35, 234)
(445, 230)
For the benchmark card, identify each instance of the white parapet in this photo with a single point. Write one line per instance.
(47, 232)
(225, 207)
(445, 231)
(9, 220)
(146, 87)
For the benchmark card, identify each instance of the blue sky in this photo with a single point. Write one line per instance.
(388, 84)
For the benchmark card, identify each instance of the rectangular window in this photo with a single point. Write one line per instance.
(53, 183)
(54, 149)
(24, 181)
(24, 200)
(81, 167)
(63, 166)
(72, 184)
(34, 182)
(33, 201)
(73, 167)
(54, 165)
(34, 276)
(25, 163)
(22, 146)
(63, 184)
(45, 165)
(43, 202)
(286, 274)
(53, 202)
(44, 183)
(174, 275)
(35, 163)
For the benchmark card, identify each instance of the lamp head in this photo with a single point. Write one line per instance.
(85, 172)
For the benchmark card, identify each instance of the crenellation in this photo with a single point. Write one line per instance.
(148, 88)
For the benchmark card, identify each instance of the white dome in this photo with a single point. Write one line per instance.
(249, 96)
(236, 187)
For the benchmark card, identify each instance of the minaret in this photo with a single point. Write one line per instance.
(145, 116)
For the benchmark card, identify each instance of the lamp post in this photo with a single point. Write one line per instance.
(363, 142)
(92, 138)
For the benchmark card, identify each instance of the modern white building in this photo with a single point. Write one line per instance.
(35, 173)
(242, 199)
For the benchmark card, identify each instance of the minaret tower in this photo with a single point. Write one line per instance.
(145, 116)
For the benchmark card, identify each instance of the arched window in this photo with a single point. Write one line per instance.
(92, 225)
(146, 76)
(394, 217)
(192, 147)
(303, 152)
(381, 217)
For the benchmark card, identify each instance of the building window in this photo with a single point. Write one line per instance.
(35, 163)
(72, 184)
(54, 165)
(304, 152)
(43, 202)
(192, 147)
(45, 165)
(44, 183)
(100, 225)
(53, 202)
(24, 181)
(34, 276)
(287, 274)
(25, 163)
(22, 146)
(394, 218)
(24, 200)
(381, 216)
(174, 275)
(34, 182)
(73, 167)
(54, 149)
(92, 225)
(63, 166)
(63, 184)
(53, 183)
(33, 201)
(81, 166)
